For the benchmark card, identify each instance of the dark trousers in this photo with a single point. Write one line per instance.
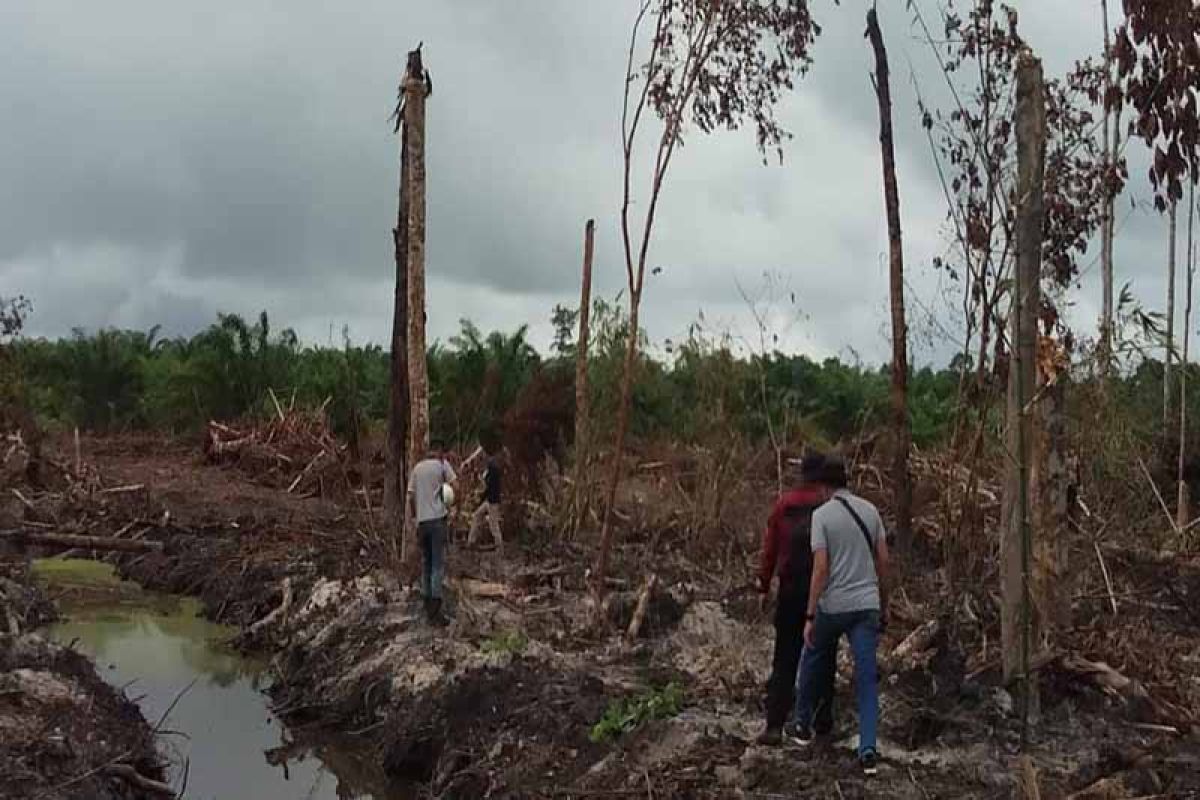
(789, 643)
(432, 536)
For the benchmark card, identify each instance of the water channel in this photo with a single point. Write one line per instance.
(176, 664)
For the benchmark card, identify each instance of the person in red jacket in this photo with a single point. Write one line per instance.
(787, 553)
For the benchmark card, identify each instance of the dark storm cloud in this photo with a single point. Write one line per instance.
(161, 162)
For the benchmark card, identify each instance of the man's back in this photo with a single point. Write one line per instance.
(425, 485)
(853, 581)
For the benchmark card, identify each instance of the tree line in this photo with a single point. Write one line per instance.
(114, 380)
(128, 380)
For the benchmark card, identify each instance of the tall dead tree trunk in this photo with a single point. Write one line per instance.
(1169, 347)
(1107, 227)
(891, 196)
(416, 89)
(582, 487)
(396, 475)
(1183, 498)
(1019, 622)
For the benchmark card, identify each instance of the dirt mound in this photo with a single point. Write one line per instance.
(235, 588)
(23, 606)
(64, 733)
(527, 723)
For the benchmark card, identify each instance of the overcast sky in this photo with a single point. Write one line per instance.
(161, 162)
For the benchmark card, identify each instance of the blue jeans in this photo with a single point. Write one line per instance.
(432, 537)
(862, 629)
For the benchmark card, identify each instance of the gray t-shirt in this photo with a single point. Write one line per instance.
(853, 583)
(425, 485)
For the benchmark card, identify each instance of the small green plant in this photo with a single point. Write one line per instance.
(510, 642)
(627, 713)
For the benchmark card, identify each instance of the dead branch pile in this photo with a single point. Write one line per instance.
(64, 504)
(294, 450)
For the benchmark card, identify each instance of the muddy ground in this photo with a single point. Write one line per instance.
(503, 702)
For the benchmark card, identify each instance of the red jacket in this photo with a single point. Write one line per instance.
(777, 558)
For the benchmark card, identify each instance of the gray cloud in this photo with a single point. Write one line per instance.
(162, 163)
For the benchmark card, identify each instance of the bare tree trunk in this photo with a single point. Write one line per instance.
(891, 195)
(1107, 227)
(614, 476)
(415, 92)
(1183, 499)
(1169, 347)
(582, 488)
(396, 475)
(1019, 623)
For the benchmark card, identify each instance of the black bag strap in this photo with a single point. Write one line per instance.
(862, 526)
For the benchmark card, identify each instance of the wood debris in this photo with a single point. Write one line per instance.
(293, 450)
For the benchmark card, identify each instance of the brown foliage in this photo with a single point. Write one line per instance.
(535, 429)
(1158, 58)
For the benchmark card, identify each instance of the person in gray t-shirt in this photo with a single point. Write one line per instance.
(847, 596)
(853, 583)
(429, 509)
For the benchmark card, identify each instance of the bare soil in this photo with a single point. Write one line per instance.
(501, 703)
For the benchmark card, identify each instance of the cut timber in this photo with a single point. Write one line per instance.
(477, 588)
(85, 542)
(133, 487)
(643, 605)
(304, 473)
(1103, 676)
(914, 651)
(1029, 779)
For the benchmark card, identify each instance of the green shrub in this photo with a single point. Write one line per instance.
(512, 643)
(626, 714)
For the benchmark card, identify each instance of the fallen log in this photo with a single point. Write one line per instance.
(485, 589)
(915, 651)
(81, 542)
(139, 780)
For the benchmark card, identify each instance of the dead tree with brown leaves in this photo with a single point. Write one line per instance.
(715, 65)
(1159, 66)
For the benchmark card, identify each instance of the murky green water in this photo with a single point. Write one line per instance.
(169, 659)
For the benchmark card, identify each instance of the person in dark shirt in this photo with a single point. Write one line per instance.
(787, 553)
(489, 506)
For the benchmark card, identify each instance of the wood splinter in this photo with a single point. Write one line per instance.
(643, 606)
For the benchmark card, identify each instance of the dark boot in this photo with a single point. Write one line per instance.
(770, 737)
(436, 618)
